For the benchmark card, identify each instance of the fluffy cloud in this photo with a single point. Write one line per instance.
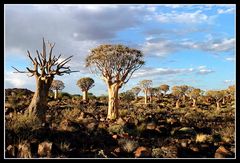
(184, 17)
(78, 24)
(203, 70)
(226, 11)
(150, 71)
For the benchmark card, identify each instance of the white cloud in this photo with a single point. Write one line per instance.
(184, 17)
(223, 45)
(160, 48)
(18, 80)
(203, 70)
(226, 11)
(230, 59)
(149, 71)
(228, 81)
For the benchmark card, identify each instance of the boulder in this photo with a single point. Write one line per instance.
(45, 149)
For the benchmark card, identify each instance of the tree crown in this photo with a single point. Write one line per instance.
(116, 63)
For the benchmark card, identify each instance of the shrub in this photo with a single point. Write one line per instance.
(128, 145)
(71, 114)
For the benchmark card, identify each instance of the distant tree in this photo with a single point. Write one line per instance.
(116, 64)
(194, 94)
(184, 89)
(44, 70)
(145, 85)
(231, 92)
(127, 96)
(217, 95)
(136, 91)
(56, 86)
(164, 88)
(85, 85)
(153, 92)
(177, 93)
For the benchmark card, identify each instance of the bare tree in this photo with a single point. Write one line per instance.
(164, 88)
(145, 85)
(56, 86)
(44, 70)
(136, 91)
(116, 64)
(217, 95)
(85, 84)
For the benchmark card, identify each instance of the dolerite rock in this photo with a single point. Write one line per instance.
(222, 152)
(142, 152)
(11, 151)
(24, 150)
(45, 149)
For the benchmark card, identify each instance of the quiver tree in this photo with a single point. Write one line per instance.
(217, 95)
(152, 92)
(56, 86)
(231, 92)
(44, 69)
(135, 91)
(164, 88)
(145, 85)
(116, 64)
(184, 89)
(85, 85)
(177, 93)
(194, 94)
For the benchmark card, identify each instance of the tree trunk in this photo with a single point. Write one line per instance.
(146, 100)
(194, 102)
(56, 94)
(113, 101)
(184, 98)
(223, 102)
(177, 104)
(151, 97)
(218, 105)
(85, 96)
(38, 105)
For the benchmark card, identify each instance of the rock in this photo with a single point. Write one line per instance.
(142, 152)
(24, 150)
(120, 121)
(45, 149)
(201, 138)
(151, 126)
(11, 151)
(222, 152)
(114, 136)
(169, 151)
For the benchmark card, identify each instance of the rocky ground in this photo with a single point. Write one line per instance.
(75, 129)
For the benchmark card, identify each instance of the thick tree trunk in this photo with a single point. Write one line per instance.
(218, 105)
(146, 100)
(85, 95)
(56, 94)
(38, 105)
(113, 102)
(177, 104)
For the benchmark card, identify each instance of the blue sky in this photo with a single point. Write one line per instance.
(182, 44)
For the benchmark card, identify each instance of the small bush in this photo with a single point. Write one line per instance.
(128, 145)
